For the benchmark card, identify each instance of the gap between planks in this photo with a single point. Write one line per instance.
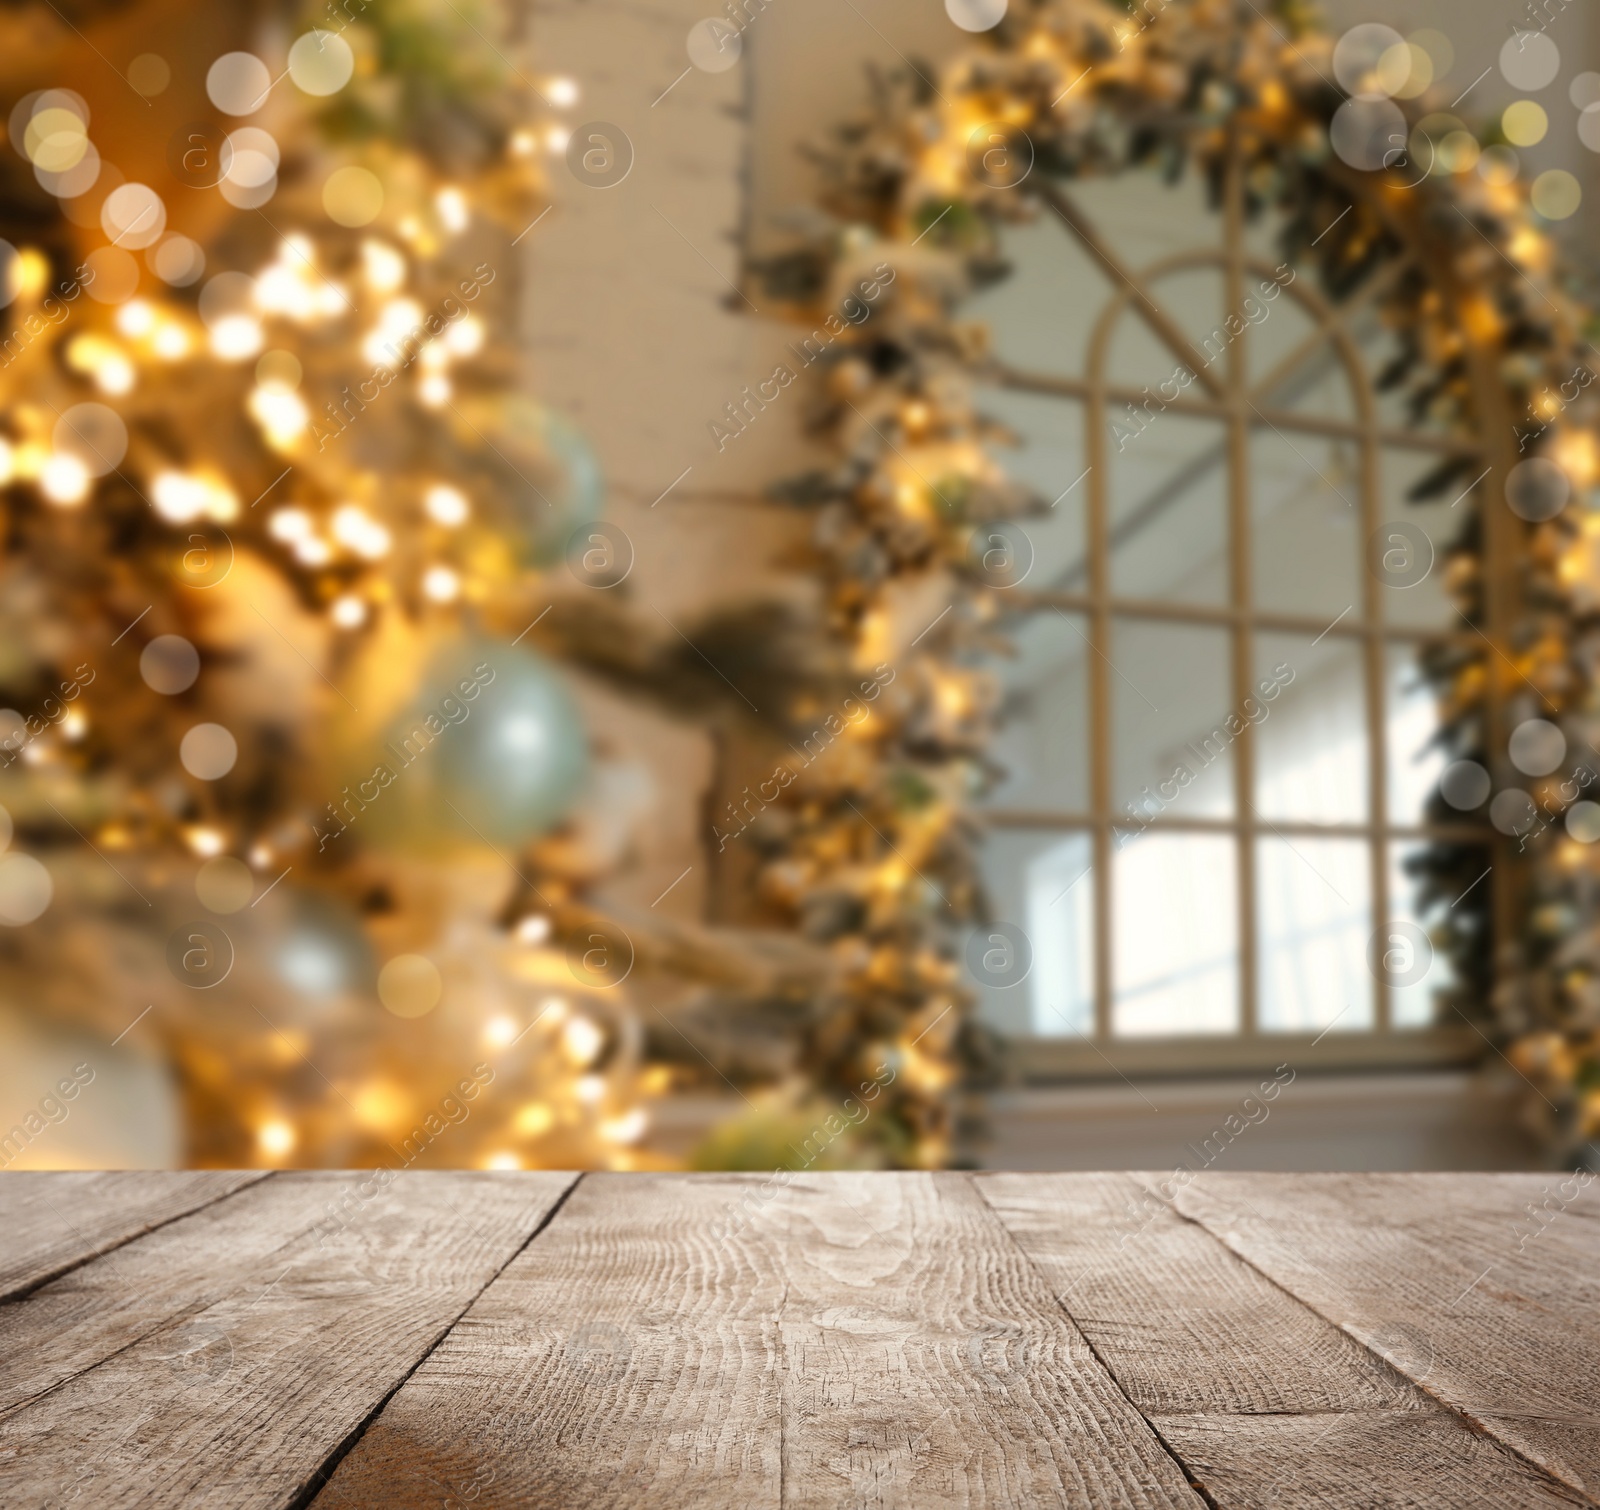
(91, 1253)
(317, 1480)
(1058, 1223)
(1110, 1373)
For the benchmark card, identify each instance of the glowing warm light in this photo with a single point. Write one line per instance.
(30, 460)
(281, 413)
(445, 505)
(64, 480)
(562, 92)
(178, 497)
(379, 1105)
(8, 463)
(30, 272)
(590, 1089)
(533, 929)
(534, 1119)
(499, 1031)
(400, 317)
(289, 524)
(434, 390)
(136, 318)
(1577, 453)
(1529, 248)
(283, 290)
(312, 551)
(74, 725)
(222, 503)
(349, 612)
(236, 337)
(115, 374)
(465, 337)
(952, 697)
(502, 1161)
(171, 342)
(275, 1139)
(452, 207)
(909, 497)
(628, 1128)
(441, 585)
(383, 267)
(359, 532)
(582, 1041)
(206, 842)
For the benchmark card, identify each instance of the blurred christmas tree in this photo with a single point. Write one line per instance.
(276, 517)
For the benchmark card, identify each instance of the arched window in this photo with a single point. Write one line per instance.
(1216, 734)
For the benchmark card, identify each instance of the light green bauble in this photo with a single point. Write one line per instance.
(491, 750)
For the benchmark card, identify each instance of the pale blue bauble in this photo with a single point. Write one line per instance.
(557, 484)
(321, 951)
(491, 750)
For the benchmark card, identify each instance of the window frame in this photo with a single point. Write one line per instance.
(1227, 396)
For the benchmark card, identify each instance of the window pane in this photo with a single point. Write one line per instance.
(1043, 736)
(1194, 300)
(1041, 316)
(1305, 496)
(1311, 734)
(1176, 935)
(1432, 527)
(1171, 751)
(1040, 882)
(1048, 457)
(1431, 905)
(1315, 384)
(1168, 486)
(1411, 719)
(1061, 927)
(1315, 910)
(1145, 216)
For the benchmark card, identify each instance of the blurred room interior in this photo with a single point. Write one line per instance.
(676, 887)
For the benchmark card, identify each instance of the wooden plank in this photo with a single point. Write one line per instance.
(246, 1374)
(55, 1221)
(1260, 1398)
(81, 1319)
(675, 1341)
(1432, 1273)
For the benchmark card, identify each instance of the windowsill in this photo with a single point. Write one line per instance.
(1434, 1119)
(1065, 1061)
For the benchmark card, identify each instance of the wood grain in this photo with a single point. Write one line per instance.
(68, 1326)
(53, 1222)
(853, 1340)
(833, 1340)
(256, 1363)
(1263, 1401)
(1430, 1272)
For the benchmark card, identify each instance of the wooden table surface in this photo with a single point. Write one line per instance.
(708, 1341)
